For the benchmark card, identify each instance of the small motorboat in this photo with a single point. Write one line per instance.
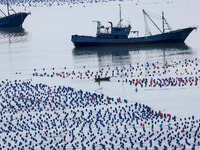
(98, 79)
(13, 19)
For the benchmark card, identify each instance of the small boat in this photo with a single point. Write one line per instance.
(13, 19)
(98, 79)
(110, 36)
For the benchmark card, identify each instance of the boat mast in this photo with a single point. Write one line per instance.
(120, 17)
(98, 27)
(9, 8)
(163, 19)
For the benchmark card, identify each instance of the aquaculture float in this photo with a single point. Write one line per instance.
(39, 116)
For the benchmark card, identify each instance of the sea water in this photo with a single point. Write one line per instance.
(154, 83)
(45, 43)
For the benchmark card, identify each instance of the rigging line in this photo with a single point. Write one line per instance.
(147, 30)
(2, 12)
(177, 23)
(151, 20)
(168, 26)
(154, 15)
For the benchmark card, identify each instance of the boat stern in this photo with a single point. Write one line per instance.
(73, 39)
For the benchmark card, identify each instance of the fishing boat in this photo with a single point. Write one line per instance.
(12, 19)
(119, 35)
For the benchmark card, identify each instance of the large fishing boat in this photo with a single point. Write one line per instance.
(13, 19)
(119, 35)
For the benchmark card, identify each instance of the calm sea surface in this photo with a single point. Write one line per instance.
(45, 42)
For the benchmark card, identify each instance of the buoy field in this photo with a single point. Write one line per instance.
(42, 116)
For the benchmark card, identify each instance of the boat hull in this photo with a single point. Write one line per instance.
(177, 36)
(14, 20)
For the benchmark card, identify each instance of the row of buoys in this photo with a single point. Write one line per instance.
(38, 116)
(164, 82)
(179, 68)
(59, 2)
(178, 74)
(35, 3)
(143, 69)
